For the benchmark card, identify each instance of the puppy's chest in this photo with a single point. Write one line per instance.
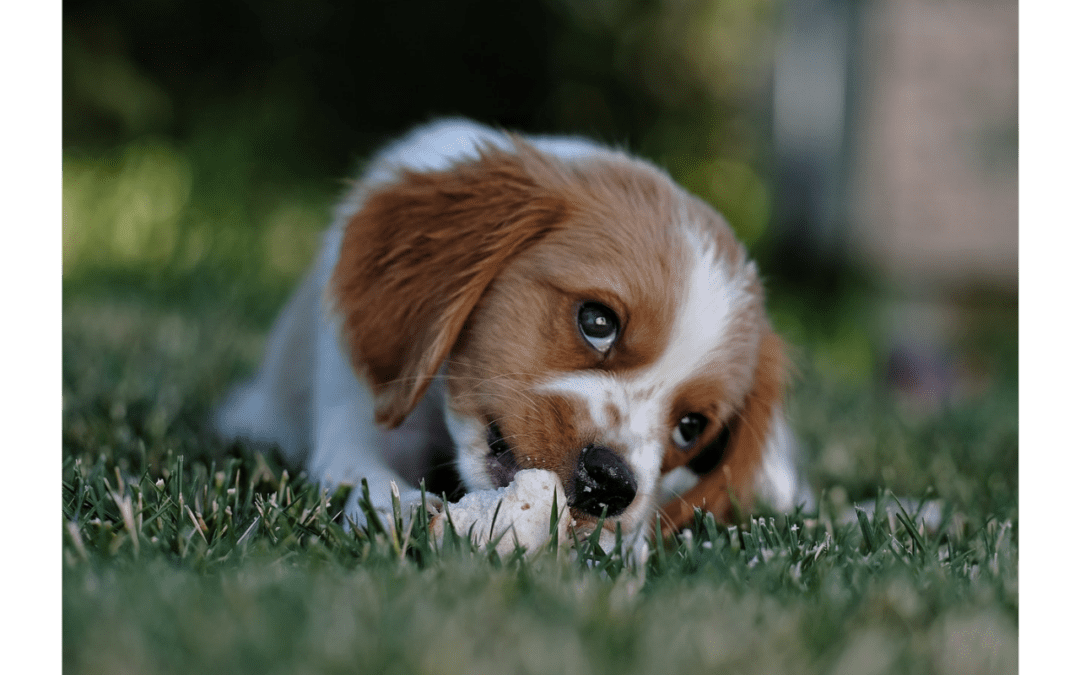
(421, 447)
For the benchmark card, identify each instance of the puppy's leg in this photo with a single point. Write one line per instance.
(347, 444)
(274, 407)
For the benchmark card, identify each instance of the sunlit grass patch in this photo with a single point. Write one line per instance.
(126, 208)
(159, 207)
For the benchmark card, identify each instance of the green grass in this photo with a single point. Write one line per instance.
(182, 555)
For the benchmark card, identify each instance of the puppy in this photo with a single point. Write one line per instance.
(533, 303)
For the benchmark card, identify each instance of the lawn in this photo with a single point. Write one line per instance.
(182, 554)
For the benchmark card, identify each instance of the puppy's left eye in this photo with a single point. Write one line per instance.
(688, 429)
(599, 325)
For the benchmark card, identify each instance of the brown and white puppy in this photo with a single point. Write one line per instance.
(548, 303)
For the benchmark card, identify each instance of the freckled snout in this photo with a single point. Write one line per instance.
(602, 479)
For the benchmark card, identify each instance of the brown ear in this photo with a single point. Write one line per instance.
(733, 478)
(419, 254)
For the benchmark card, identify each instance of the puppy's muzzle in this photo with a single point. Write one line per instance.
(602, 479)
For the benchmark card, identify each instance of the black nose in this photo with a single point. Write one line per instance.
(602, 479)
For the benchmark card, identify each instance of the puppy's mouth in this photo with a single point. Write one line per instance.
(501, 464)
(598, 475)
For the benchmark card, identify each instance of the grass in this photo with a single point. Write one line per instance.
(183, 555)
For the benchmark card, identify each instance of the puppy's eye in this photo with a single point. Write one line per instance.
(599, 325)
(688, 429)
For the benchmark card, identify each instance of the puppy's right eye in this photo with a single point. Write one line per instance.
(599, 326)
(688, 429)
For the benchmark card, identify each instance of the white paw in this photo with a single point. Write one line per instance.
(516, 515)
(410, 502)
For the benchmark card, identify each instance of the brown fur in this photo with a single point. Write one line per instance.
(616, 247)
(733, 479)
(419, 254)
(514, 242)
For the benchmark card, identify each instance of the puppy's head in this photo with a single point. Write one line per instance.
(590, 318)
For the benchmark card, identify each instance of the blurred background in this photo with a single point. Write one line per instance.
(865, 151)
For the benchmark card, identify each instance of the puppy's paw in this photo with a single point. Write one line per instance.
(409, 501)
(516, 515)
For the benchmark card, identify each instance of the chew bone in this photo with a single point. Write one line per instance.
(518, 514)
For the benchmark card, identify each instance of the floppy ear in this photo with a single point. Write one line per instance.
(419, 254)
(739, 462)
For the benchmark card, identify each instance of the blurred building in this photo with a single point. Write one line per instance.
(895, 125)
(934, 152)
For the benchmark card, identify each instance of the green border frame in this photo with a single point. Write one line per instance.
(29, 54)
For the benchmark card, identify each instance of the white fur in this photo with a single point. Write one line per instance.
(307, 399)
(470, 438)
(713, 293)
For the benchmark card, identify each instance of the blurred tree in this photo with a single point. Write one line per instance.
(324, 82)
